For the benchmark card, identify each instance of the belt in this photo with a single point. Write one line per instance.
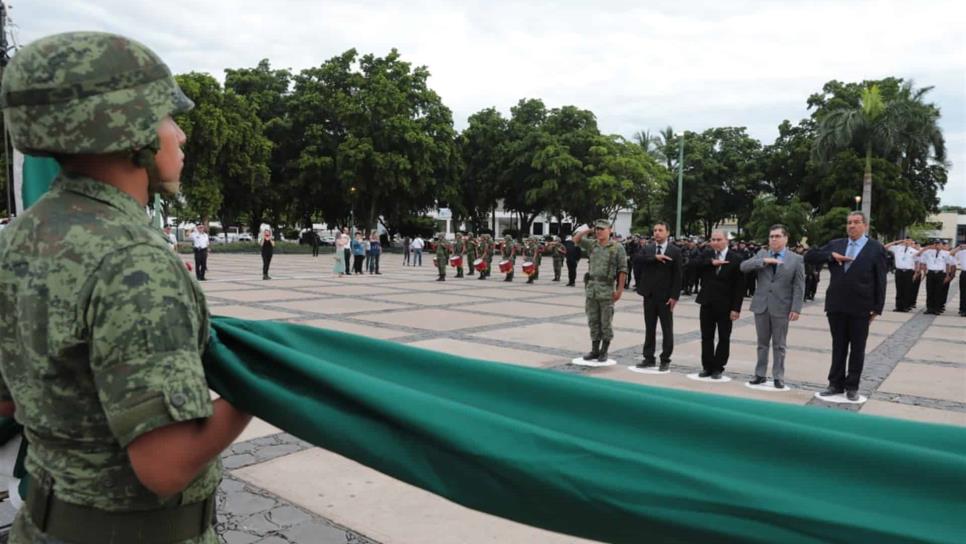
(943, 272)
(86, 525)
(601, 279)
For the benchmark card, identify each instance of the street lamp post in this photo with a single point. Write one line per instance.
(677, 229)
(352, 212)
(858, 201)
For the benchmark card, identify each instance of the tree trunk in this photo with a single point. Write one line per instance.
(867, 186)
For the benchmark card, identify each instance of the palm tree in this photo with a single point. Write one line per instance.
(902, 128)
(651, 144)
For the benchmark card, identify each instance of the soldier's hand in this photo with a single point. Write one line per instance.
(617, 295)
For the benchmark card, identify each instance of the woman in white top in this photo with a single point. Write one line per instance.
(341, 241)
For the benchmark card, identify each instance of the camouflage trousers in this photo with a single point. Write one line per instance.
(600, 316)
(557, 267)
(441, 263)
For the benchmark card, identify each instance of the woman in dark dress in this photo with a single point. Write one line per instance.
(268, 249)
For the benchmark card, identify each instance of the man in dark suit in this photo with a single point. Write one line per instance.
(855, 295)
(658, 265)
(722, 291)
(573, 255)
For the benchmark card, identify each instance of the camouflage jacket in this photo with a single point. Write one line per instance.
(101, 335)
(605, 262)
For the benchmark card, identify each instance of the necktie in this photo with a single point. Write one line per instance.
(774, 267)
(660, 249)
(850, 253)
(717, 269)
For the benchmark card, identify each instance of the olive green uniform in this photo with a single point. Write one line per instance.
(533, 254)
(472, 244)
(509, 253)
(605, 263)
(102, 327)
(459, 248)
(557, 252)
(101, 335)
(442, 257)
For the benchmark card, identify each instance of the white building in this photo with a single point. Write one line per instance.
(950, 226)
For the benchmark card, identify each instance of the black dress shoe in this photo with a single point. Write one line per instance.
(646, 364)
(779, 384)
(831, 392)
(704, 374)
(758, 380)
(852, 395)
(665, 366)
(716, 376)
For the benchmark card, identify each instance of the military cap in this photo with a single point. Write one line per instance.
(602, 223)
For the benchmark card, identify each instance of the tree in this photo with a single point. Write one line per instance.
(481, 145)
(376, 138)
(893, 124)
(768, 211)
(267, 90)
(827, 227)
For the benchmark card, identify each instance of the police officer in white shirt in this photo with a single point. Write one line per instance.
(904, 252)
(959, 257)
(935, 262)
(201, 245)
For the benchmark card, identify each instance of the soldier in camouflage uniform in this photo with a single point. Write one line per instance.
(101, 326)
(509, 253)
(533, 250)
(486, 253)
(472, 251)
(607, 263)
(459, 248)
(442, 256)
(557, 252)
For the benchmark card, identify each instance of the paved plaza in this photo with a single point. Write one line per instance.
(279, 489)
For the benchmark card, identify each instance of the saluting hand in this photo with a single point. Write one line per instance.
(718, 262)
(663, 258)
(771, 260)
(841, 259)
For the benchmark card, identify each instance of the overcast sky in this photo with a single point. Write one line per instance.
(637, 65)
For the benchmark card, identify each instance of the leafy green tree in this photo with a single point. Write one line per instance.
(768, 211)
(268, 92)
(481, 145)
(827, 227)
(894, 124)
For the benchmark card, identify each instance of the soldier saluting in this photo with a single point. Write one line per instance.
(603, 286)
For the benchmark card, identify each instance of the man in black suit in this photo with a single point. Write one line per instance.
(855, 295)
(722, 292)
(573, 255)
(658, 265)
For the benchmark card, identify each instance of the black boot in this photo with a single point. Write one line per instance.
(556, 278)
(530, 279)
(594, 351)
(602, 356)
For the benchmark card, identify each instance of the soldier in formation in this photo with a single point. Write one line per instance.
(558, 253)
(509, 253)
(442, 256)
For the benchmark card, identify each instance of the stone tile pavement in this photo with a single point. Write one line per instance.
(279, 489)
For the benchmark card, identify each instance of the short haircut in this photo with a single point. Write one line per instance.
(666, 226)
(779, 226)
(860, 214)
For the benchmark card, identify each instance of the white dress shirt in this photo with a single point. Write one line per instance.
(199, 240)
(936, 260)
(905, 257)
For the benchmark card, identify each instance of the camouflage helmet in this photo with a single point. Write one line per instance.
(87, 93)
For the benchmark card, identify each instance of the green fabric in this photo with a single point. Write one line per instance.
(606, 460)
(38, 173)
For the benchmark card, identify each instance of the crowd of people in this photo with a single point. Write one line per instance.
(720, 273)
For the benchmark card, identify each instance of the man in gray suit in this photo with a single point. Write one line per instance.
(778, 300)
